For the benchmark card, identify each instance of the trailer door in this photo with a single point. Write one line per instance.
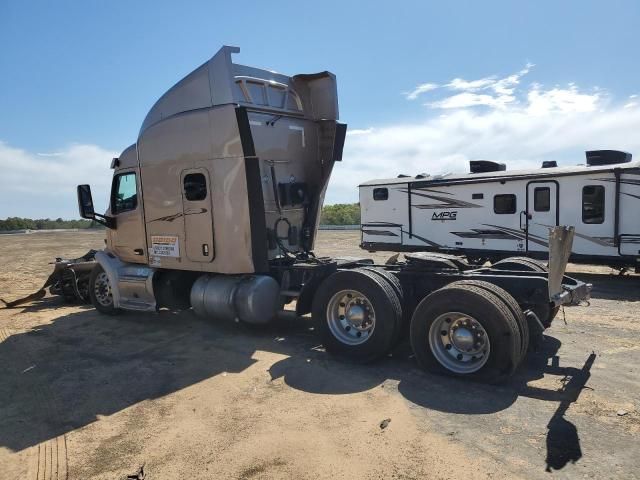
(198, 219)
(541, 214)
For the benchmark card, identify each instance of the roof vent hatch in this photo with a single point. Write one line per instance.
(484, 166)
(607, 157)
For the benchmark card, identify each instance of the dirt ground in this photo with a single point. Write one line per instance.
(88, 396)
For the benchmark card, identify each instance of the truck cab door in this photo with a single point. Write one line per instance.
(541, 214)
(128, 239)
(198, 219)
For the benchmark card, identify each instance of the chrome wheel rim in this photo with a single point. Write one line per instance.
(459, 342)
(351, 317)
(102, 290)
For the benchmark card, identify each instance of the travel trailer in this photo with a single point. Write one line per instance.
(215, 207)
(492, 213)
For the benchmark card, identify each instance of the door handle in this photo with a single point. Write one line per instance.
(523, 226)
(138, 251)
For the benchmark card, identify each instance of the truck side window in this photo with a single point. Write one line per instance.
(257, 92)
(542, 199)
(505, 203)
(195, 187)
(380, 193)
(593, 204)
(124, 195)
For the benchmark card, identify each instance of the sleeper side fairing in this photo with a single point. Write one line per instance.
(260, 144)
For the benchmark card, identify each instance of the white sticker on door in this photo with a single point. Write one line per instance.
(165, 246)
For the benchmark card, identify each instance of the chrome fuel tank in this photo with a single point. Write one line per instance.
(250, 298)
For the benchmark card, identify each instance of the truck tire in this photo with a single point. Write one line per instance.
(356, 313)
(520, 263)
(546, 313)
(100, 292)
(394, 282)
(466, 331)
(389, 277)
(511, 304)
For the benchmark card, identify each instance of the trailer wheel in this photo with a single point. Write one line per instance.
(512, 305)
(466, 331)
(356, 314)
(546, 313)
(100, 291)
(479, 261)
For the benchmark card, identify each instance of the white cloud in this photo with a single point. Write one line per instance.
(468, 99)
(36, 185)
(490, 91)
(51, 154)
(554, 124)
(471, 86)
(364, 131)
(564, 100)
(420, 89)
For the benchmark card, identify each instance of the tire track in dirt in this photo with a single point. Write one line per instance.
(47, 460)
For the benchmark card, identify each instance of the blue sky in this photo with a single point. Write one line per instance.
(513, 81)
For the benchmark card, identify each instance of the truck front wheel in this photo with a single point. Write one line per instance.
(100, 291)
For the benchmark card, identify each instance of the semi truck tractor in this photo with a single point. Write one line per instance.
(216, 205)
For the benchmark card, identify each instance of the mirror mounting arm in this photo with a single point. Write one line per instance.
(106, 220)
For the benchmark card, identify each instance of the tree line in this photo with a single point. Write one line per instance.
(17, 223)
(341, 214)
(338, 214)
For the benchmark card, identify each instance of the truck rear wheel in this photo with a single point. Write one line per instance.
(356, 313)
(511, 304)
(520, 263)
(466, 331)
(395, 284)
(546, 313)
(100, 291)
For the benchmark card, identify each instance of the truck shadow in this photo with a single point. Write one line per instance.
(334, 376)
(63, 375)
(611, 286)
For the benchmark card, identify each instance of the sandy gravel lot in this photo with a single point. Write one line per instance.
(87, 396)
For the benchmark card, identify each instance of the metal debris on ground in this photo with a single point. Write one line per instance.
(70, 278)
(139, 475)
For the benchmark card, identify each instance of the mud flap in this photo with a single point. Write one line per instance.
(560, 243)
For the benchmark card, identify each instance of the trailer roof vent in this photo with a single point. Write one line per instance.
(607, 157)
(422, 175)
(484, 166)
(549, 164)
(402, 175)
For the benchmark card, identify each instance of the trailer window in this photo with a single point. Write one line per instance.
(124, 195)
(593, 204)
(380, 193)
(542, 199)
(195, 187)
(505, 203)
